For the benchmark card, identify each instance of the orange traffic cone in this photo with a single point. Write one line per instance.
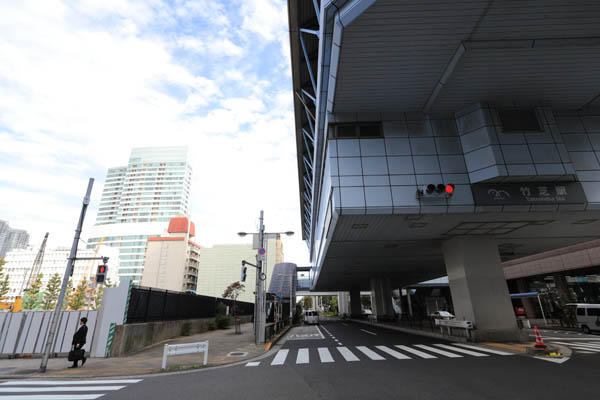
(539, 343)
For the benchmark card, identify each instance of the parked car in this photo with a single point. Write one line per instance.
(588, 316)
(441, 315)
(311, 317)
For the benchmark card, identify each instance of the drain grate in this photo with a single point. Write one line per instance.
(237, 354)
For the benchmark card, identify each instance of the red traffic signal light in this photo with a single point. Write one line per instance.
(101, 269)
(450, 188)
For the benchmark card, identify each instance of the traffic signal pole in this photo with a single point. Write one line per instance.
(68, 273)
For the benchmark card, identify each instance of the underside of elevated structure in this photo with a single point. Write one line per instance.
(499, 101)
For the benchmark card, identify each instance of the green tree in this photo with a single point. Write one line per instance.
(68, 294)
(233, 291)
(4, 285)
(34, 297)
(366, 302)
(78, 297)
(307, 303)
(52, 291)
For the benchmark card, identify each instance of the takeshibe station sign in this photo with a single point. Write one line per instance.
(527, 193)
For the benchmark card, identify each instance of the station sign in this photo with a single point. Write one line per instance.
(528, 193)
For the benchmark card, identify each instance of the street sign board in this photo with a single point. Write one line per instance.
(262, 251)
(527, 193)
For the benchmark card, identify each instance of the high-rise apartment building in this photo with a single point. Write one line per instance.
(11, 238)
(172, 259)
(138, 201)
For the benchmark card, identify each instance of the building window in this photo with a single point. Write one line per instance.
(356, 130)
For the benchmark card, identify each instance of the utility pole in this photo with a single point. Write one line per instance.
(260, 283)
(68, 274)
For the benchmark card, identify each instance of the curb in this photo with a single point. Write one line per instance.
(276, 339)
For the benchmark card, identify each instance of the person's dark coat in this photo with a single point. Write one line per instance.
(79, 336)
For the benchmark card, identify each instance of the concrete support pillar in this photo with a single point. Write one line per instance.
(355, 306)
(343, 303)
(410, 312)
(527, 302)
(562, 288)
(381, 298)
(478, 287)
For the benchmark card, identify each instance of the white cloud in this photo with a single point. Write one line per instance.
(82, 83)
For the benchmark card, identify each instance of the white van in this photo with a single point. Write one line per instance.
(588, 316)
(311, 317)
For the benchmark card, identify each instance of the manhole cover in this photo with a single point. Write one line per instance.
(237, 354)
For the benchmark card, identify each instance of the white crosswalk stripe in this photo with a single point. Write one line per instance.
(370, 353)
(403, 352)
(302, 357)
(61, 390)
(415, 351)
(485, 349)
(280, 357)
(464, 351)
(438, 351)
(393, 353)
(581, 346)
(347, 354)
(325, 355)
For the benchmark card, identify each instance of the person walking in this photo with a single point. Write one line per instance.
(79, 341)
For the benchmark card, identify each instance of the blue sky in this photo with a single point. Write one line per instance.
(82, 82)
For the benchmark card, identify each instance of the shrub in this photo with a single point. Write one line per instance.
(186, 328)
(212, 325)
(223, 321)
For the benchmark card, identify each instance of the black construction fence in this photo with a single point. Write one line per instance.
(149, 305)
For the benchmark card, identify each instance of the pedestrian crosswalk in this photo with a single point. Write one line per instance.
(61, 390)
(380, 353)
(592, 347)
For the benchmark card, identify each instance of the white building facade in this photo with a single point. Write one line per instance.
(19, 263)
(11, 238)
(138, 201)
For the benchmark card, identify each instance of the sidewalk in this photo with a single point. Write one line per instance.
(146, 361)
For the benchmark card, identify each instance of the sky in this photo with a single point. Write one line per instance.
(83, 82)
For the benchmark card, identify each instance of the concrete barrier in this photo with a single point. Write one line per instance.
(130, 338)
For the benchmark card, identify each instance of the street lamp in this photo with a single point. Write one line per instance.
(259, 294)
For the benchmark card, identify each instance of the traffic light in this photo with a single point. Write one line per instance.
(101, 273)
(431, 190)
(244, 268)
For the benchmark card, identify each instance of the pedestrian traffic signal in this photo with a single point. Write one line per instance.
(432, 190)
(101, 273)
(244, 268)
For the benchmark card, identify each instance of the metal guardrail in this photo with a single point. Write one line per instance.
(452, 323)
(185, 348)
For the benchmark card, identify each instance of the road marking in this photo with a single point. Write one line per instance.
(554, 360)
(498, 352)
(438, 351)
(372, 333)
(347, 354)
(585, 352)
(393, 353)
(415, 351)
(89, 382)
(469, 352)
(325, 355)
(370, 353)
(280, 357)
(580, 346)
(302, 357)
(58, 389)
(594, 345)
(53, 397)
(253, 364)
(344, 324)
(322, 337)
(571, 338)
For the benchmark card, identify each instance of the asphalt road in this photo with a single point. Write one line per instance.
(340, 360)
